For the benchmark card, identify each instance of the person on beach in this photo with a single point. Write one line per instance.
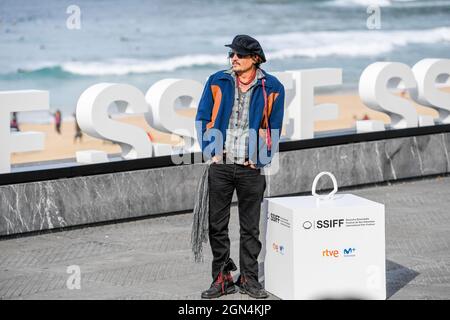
(240, 103)
(78, 133)
(57, 115)
(14, 124)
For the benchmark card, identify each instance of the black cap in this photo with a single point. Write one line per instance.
(245, 44)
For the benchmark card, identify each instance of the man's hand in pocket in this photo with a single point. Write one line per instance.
(216, 159)
(250, 163)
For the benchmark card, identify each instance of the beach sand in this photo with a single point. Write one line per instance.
(63, 146)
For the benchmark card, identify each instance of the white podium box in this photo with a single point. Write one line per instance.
(325, 247)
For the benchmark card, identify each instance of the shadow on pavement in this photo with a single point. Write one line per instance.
(397, 276)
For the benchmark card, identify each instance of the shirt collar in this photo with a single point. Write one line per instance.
(259, 73)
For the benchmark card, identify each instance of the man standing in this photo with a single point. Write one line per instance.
(243, 109)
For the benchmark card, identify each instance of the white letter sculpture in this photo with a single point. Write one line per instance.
(428, 72)
(162, 116)
(374, 89)
(18, 101)
(301, 108)
(93, 119)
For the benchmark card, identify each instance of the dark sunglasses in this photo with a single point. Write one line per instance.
(240, 56)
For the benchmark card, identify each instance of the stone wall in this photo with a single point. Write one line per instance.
(42, 205)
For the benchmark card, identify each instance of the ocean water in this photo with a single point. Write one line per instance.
(140, 42)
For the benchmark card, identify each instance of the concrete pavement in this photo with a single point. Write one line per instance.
(151, 258)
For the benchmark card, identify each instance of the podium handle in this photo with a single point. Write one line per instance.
(329, 196)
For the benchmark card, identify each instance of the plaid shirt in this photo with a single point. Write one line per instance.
(236, 142)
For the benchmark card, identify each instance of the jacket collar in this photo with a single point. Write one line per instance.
(226, 75)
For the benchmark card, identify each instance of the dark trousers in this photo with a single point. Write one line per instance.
(250, 185)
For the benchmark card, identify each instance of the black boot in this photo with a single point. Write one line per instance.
(222, 285)
(251, 287)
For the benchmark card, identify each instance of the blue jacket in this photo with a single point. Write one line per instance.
(214, 111)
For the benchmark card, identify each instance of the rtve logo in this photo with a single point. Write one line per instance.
(278, 248)
(330, 253)
(348, 252)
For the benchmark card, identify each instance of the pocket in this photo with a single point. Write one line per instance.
(214, 165)
(252, 172)
(250, 168)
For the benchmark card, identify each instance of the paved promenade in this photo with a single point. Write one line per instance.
(151, 258)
